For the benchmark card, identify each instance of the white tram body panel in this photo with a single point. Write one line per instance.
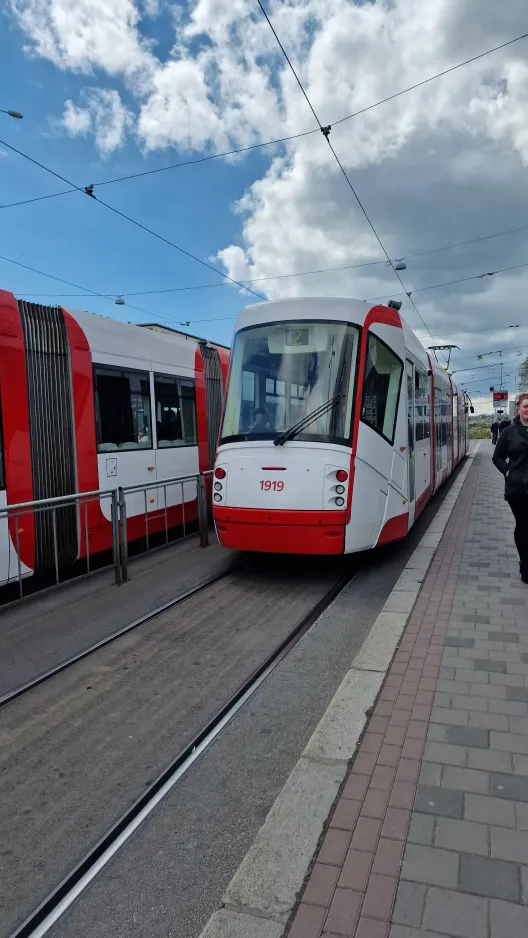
(337, 429)
(89, 403)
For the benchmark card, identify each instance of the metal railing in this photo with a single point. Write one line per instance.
(163, 486)
(120, 511)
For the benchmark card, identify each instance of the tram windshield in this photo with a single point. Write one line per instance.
(282, 372)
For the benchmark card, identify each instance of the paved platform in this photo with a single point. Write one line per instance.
(429, 836)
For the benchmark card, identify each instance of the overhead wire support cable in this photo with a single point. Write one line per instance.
(325, 130)
(269, 143)
(89, 292)
(88, 190)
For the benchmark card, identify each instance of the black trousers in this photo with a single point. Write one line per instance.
(518, 502)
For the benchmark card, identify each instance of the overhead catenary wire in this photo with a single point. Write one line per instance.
(87, 191)
(89, 292)
(325, 270)
(268, 143)
(325, 130)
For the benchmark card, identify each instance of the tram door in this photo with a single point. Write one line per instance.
(411, 439)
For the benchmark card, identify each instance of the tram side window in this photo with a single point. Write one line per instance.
(122, 409)
(381, 388)
(175, 411)
(421, 406)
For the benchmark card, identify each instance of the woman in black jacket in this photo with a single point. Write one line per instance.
(511, 458)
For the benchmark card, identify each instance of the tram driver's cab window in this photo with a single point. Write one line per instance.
(288, 373)
(122, 409)
(381, 388)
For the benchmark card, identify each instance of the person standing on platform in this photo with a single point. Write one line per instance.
(494, 431)
(511, 458)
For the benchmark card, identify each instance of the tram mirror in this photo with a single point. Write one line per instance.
(472, 410)
(303, 339)
(430, 373)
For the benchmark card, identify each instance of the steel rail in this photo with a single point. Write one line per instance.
(43, 918)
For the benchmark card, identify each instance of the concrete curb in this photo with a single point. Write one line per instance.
(263, 892)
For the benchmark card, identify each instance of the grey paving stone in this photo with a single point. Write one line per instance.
(404, 931)
(491, 691)
(489, 810)
(521, 815)
(457, 914)
(454, 641)
(436, 733)
(517, 693)
(466, 779)
(475, 677)
(444, 753)
(410, 900)
(467, 702)
(483, 664)
(518, 725)
(520, 764)
(445, 802)
(508, 742)
(503, 637)
(507, 680)
(507, 844)
(446, 673)
(482, 620)
(453, 687)
(491, 878)
(512, 787)
(431, 774)
(508, 920)
(509, 707)
(465, 736)
(489, 760)
(524, 884)
(449, 715)
(489, 721)
(421, 829)
(463, 836)
(510, 601)
(430, 865)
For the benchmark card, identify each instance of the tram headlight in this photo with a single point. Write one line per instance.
(218, 487)
(217, 497)
(220, 473)
(340, 489)
(341, 475)
(340, 502)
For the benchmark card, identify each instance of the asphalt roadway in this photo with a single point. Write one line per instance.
(170, 877)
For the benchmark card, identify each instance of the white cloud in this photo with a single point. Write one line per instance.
(102, 114)
(437, 165)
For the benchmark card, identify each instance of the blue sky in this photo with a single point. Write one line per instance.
(112, 87)
(74, 238)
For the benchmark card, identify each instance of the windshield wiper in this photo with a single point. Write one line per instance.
(298, 427)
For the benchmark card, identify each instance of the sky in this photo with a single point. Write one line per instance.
(112, 88)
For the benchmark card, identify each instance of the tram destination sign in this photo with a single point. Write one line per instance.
(500, 399)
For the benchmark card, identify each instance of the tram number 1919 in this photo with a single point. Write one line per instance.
(267, 485)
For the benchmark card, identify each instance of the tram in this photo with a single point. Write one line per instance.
(338, 428)
(88, 404)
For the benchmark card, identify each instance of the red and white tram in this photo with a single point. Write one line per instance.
(338, 428)
(89, 403)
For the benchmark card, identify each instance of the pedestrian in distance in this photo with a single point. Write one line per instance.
(504, 423)
(494, 431)
(511, 458)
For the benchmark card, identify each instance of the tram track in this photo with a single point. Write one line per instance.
(44, 917)
(109, 639)
(68, 762)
